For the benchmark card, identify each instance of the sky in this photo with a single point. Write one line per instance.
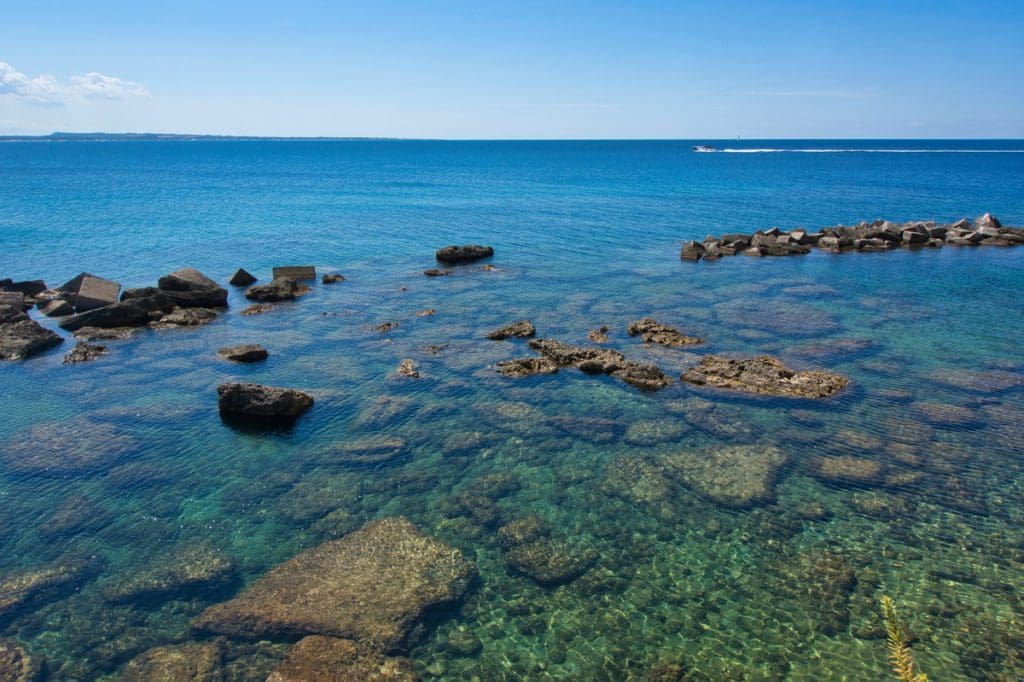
(512, 70)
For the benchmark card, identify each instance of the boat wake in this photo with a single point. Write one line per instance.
(870, 151)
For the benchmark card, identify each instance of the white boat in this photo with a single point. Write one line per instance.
(703, 148)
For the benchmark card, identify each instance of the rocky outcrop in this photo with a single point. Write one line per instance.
(332, 278)
(21, 337)
(242, 278)
(17, 664)
(256, 400)
(72, 447)
(245, 353)
(101, 334)
(189, 662)
(259, 308)
(84, 352)
(467, 253)
(194, 568)
(652, 331)
(280, 289)
(185, 317)
(407, 369)
(602, 361)
(523, 329)
(524, 367)
(36, 585)
(845, 470)
(193, 281)
(737, 476)
(763, 375)
(437, 272)
(372, 585)
(317, 658)
(880, 235)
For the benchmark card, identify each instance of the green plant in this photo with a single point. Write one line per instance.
(899, 652)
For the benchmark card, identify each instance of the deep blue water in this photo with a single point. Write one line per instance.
(585, 234)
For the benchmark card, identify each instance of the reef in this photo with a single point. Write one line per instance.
(372, 586)
(17, 664)
(453, 255)
(880, 235)
(764, 375)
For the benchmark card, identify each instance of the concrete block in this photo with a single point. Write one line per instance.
(94, 292)
(296, 272)
(15, 299)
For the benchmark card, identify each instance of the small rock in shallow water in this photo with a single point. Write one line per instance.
(21, 337)
(463, 254)
(520, 329)
(599, 335)
(84, 352)
(76, 446)
(317, 658)
(437, 272)
(102, 334)
(384, 327)
(255, 400)
(737, 476)
(246, 352)
(764, 375)
(940, 414)
(407, 369)
(652, 331)
(846, 470)
(36, 585)
(550, 562)
(426, 313)
(523, 530)
(523, 367)
(185, 317)
(332, 278)
(258, 308)
(190, 662)
(193, 568)
(365, 451)
(280, 289)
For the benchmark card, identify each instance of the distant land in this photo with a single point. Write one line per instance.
(145, 137)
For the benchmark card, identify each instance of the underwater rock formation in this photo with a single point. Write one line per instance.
(316, 658)
(190, 662)
(17, 664)
(372, 586)
(522, 531)
(364, 451)
(36, 585)
(652, 331)
(737, 476)
(193, 568)
(825, 581)
(763, 375)
(21, 337)
(259, 308)
(256, 400)
(105, 334)
(279, 289)
(550, 562)
(846, 470)
(452, 255)
(522, 329)
(73, 447)
(84, 352)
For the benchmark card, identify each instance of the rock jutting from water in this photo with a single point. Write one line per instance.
(242, 278)
(280, 289)
(407, 369)
(652, 331)
(523, 329)
(372, 586)
(332, 278)
(21, 337)
(84, 352)
(437, 272)
(763, 375)
(881, 235)
(524, 367)
(256, 400)
(453, 255)
(602, 361)
(245, 353)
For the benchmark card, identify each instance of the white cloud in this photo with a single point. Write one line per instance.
(45, 89)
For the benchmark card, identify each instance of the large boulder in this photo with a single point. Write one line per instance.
(279, 289)
(208, 293)
(21, 337)
(372, 585)
(95, 292)
(317, 658)
(463, 254)
(127, 313)
(256, 400)
(763, 375)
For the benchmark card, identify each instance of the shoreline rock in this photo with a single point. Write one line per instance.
(22, 337)
(84, 352)
(764, 375)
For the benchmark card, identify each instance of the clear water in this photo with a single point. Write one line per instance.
(586, 234)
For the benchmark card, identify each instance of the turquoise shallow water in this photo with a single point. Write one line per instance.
(586, 234)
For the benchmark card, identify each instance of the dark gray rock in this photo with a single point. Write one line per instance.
(57, 308)
(14, 299)
(246, 352)
(206, 293)
(436, 272)
(95, 292)
(185, 317)
(280, 289)
(21, 337)
(463, 254)
(84, 352)
(32, 287)
(692, 251)
(242, 278)
(521, 329)
(296, 272)
(255, 400)
(332, 278)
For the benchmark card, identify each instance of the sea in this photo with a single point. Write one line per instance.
(909, 484)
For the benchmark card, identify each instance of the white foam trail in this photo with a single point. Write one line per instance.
(872, 151)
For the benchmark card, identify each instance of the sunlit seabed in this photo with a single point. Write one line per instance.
(761, 592)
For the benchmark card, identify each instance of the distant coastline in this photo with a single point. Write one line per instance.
(149, 137)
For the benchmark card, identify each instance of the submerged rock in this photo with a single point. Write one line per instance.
(242, 278)
(17, 664)
(463, 254)
(522, 531)
(846, 470)
(550, 562)
(246, 352)
(18, 588)
(384, 327)
(280, 289)
(636, 479)
(84, 352)
(259, 308)
(824, 581)
(76, 514)
(317, 658)
(190, 662)
(437, 272)
(599, 335)
(764, 375)
(256, 400)
(372, 586)
(523, 367)
(21, 337)
(941, 414)
(738, 476)
(365, 451)
(196, 567)
(521, 329)
(643, 375)
(72, 447)
(652, 331)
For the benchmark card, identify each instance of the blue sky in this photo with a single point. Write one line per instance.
(519, 69)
